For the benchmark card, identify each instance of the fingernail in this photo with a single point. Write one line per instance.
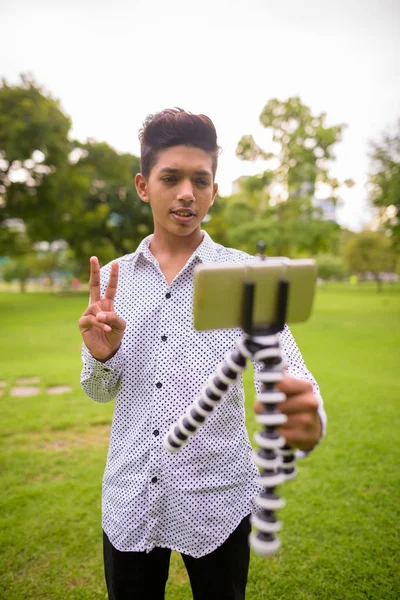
(101, 315)
(107, 328)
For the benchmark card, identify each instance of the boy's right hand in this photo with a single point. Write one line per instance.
(101, 329)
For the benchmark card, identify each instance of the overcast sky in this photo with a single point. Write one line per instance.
(112, 63)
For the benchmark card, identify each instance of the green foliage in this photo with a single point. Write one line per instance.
(83, 193)
(23, 263)
(31, 120)
(33, 143)
(33, 264)
(291, 228)
(286, 219)
(112, 219)
(247, 149)
(305, 144)
(385, 181)
(331, 267)
(215, 223)
(370, 252)
(21, 268)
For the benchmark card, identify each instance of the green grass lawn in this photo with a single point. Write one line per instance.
(341, 522)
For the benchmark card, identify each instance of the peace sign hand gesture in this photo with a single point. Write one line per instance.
(101, 329)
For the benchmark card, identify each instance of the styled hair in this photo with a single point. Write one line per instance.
(175, 127)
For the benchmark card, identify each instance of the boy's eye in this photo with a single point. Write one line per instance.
(202, 182)
(169, 179)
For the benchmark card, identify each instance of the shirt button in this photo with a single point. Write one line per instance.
(168, 295)
(159, 384)
(154, 480)
(164, 338)
(156, 432)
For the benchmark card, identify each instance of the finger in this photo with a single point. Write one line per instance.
(292, 386)
(92, 309)
(259, 408)
(307, 404)
(302, 433)
(94, 281)
(296, 439)
(302, 403)
(300, 422)
(112, 282)
(88, 321)
(112, 319)
(292, 404)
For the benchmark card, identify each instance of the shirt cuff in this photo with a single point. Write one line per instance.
(111, 365)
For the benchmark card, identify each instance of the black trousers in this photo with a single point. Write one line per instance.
(220, 575)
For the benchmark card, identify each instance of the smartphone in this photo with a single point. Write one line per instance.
(219, 290)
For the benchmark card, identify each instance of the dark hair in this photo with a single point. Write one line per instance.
(175, 127)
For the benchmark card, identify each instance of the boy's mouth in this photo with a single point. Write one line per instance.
(183, 215)
(183, 212)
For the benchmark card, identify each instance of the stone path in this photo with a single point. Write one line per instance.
(59, 389)
(24, 391)
(29, 386)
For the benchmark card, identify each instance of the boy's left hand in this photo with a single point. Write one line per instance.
(303, 428)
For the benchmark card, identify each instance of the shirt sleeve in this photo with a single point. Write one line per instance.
(296, 368)
(101, 380)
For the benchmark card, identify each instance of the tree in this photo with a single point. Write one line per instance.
(384, 181)
(330, 267)
(370, 252)
(26, 260)
(247, 212)
(33, 144)
(93, 205)
(252, 215)
(58, 188)
(111, 218)
(293, 225)
(215, 223)
(305, 146)
(21, 268)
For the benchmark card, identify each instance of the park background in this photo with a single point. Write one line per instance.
(306, 101)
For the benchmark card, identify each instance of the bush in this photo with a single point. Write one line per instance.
(331, 267)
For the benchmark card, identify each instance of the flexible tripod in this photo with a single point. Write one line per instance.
(275, 459)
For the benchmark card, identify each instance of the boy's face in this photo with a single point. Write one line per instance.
(180, 189)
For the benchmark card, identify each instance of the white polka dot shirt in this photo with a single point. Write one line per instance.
(193, 500)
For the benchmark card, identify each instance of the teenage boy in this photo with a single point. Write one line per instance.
(140, 347)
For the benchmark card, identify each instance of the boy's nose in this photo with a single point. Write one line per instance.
(186, 192)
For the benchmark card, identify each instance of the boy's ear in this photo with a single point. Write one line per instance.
(141, 186)
(215, 191)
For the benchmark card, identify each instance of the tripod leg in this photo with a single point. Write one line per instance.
(270, 458)
(210, 396)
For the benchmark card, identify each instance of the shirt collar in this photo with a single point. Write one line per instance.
(141, 250)
(205, 252)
